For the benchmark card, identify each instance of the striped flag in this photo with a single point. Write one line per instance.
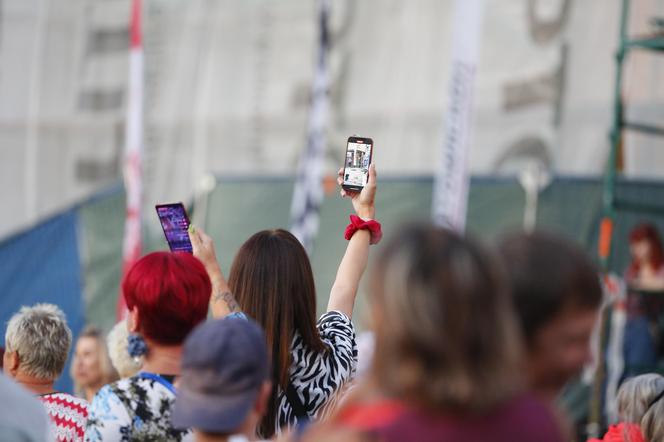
(451, 182)
(308, 193)
(131, 248)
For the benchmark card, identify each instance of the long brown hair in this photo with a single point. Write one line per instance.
(272, 281)
(446, 336)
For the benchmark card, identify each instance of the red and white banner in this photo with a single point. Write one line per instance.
(451, 181)
(131, 250)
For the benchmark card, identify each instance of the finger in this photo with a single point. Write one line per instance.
(193, 236)
(206, 240)
(372, 174)
(340, 176)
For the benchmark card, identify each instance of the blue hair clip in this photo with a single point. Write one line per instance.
(136, 346)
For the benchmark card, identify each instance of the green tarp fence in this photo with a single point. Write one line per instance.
(239, 206)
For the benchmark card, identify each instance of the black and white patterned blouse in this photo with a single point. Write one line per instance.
(317, 377)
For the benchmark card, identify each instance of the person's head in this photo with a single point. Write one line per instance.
(167, 295)
(446, 337)
(91, 367)
(124, 364)
(636, 394)
(225, 383)
(272, 281)
(645, 247)
(557, 294)
(652, 423)
(37, 342)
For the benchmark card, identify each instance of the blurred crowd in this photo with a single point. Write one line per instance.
(466, 342)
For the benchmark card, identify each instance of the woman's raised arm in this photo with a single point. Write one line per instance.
(222, 301)
(354, 261)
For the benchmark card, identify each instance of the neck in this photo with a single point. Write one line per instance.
(35, 385)
(162, 359)
(91, 391)
(208, 437)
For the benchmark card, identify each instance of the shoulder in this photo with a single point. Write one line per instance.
(334, 318)
(21, 414)
(64, 400)
(335, 326)
(533, 417)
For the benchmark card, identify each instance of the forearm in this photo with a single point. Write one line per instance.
(351, 269)
(222, 301)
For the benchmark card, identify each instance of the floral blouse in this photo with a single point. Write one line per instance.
(134, 409)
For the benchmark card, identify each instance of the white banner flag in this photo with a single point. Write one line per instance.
(308, 192)
(451, 182)
(131, 249)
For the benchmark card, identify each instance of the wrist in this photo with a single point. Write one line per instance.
(373, 227)
(214, 271)
(367, 214)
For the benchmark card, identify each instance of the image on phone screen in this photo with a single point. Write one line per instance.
(358, 158)
(175, 222)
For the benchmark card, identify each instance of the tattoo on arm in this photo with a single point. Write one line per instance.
(229, 299)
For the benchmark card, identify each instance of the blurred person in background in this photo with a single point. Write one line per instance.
(448, 362)
(118, 352)
(167, 295)
(633, 399)
(225, 383)
(91, 367)
(644, 273)
(37, 343)
(272, 281)
(557, 295)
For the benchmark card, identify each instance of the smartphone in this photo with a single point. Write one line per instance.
(359, 151)
(175, 222)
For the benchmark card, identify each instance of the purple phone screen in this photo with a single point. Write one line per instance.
(175, 223)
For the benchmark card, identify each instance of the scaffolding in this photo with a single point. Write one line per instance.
(611, 203)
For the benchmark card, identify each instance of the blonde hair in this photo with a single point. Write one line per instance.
(125, 365)
(446, 335)
(42, 338)
(108, 372)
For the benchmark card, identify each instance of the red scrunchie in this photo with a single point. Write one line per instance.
(357, 223)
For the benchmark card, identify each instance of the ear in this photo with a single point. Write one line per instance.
(133, 320)
(260, 406)
(11, 362)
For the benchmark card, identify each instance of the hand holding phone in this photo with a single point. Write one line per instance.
(363, 201)
(175, 223)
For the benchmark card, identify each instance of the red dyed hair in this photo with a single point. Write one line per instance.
(171, 292)
(646, 232)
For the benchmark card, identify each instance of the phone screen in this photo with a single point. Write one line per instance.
(358, 158)
(175, 222)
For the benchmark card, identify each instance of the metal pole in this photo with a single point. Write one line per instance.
(606, 231)
(32, 127)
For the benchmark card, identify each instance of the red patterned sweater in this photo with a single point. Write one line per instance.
(68, 415)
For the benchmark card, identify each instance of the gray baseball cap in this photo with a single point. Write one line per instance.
(224, 365)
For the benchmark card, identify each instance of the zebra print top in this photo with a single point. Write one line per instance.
(317, 377)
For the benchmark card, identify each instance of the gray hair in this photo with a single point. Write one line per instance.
(635, 395)
(42, 339)
(652, 423)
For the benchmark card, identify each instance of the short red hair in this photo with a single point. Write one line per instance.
(171, 292)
